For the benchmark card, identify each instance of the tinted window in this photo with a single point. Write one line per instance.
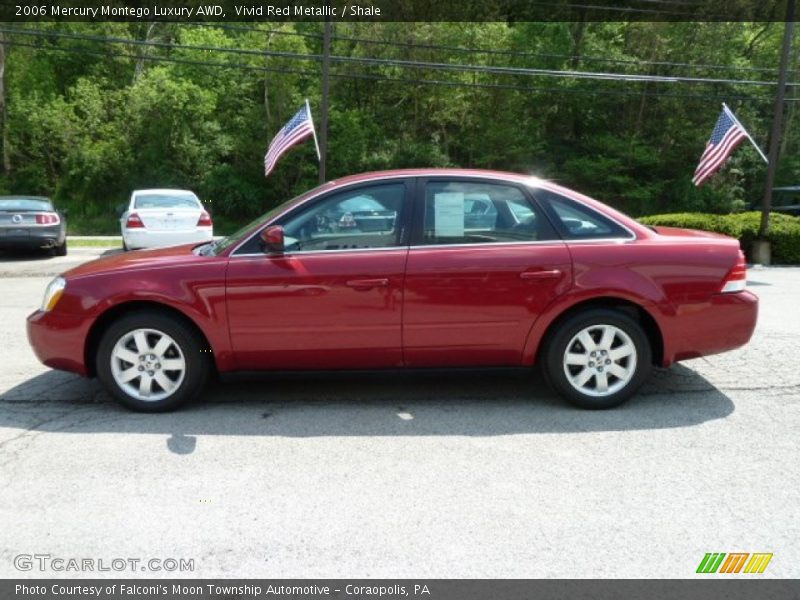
(577, 221)
(368, 217)
(460, 212)
(166, 201)
(23, 204)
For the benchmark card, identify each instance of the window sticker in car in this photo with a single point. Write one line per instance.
(449, 214)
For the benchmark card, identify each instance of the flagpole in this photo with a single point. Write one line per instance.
(313, 129)
(729, 112)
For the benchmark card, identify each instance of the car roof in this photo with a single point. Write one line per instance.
(165, 191)
(446, 172)
(508, 176)
(24, 197)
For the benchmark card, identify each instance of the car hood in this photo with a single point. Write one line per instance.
(138, 260)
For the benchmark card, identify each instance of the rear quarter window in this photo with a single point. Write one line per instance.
(576, 221)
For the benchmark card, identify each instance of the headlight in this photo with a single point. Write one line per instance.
(52, 294)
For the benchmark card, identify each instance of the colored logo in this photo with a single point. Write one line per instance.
(734, 562)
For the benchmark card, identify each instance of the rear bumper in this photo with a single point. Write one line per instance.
(58, 340)
(31, 237)
(144, 238)
(725, 322)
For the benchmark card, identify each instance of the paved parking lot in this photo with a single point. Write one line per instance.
(441, 475)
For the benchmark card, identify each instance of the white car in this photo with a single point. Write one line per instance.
(161, 217)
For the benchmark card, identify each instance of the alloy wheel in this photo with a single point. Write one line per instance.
(600, 360)
(148, 364)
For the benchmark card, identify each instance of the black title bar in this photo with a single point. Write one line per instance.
(395, 10)
(744, 588)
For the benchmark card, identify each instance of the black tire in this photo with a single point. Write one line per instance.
(553, 356)
(62, 249)
(188, 343)
(124, 246)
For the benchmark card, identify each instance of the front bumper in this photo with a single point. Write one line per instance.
(144, 238)
(58, 340)
(725, 322)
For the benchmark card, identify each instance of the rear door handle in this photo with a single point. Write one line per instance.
(548, 274)
(367, 284)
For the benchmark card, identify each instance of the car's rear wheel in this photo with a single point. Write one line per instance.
(152, 362)
(61, 250)
(598, 358)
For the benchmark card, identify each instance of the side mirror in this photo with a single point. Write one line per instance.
(64, 212)
(272, 237)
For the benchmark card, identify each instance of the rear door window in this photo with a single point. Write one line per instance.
(466, 212)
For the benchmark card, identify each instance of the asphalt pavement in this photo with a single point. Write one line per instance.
(454, 474)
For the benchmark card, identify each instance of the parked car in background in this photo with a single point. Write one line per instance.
(164, 217)
(785, 200)
(31, 222)
(359, 214)
(553, 277)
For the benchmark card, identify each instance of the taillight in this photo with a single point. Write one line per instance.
(47, 219)
(204, 220)
(133, 221)
(736, 281)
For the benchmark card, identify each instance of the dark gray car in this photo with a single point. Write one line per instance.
(786, 200)
(31, 222)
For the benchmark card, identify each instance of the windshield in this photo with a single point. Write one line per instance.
(220, 246)
(22, 204)
(187, 200)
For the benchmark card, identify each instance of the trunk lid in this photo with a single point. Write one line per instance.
(691, 233)
(172, 219)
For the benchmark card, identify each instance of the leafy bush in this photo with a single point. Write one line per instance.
(784, 233)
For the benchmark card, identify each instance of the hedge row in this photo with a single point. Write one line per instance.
(784, 233)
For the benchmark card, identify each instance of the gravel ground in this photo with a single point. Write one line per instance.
(476, 474)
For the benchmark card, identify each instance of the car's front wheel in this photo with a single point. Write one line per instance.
(152, 362)
(597, 358)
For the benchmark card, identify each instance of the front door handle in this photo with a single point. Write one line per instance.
(367, 284)
(545, 274)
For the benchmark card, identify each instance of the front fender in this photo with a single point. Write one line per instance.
(198, 293)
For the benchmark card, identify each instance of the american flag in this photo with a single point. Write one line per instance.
(728, 133)
(299, 127)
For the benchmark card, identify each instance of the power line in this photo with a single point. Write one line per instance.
(225, 26)
(491, 51)
(606, 76)
(581, 58)
(569, 8)
(623, 9)
(38, 33)
(373, 77)
(183, 61)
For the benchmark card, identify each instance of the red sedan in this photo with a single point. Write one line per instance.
(405, 269)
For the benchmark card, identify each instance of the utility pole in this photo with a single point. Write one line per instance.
(777, 126)
(323, 127)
